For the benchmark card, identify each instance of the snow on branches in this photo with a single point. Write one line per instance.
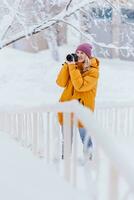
(107, 24)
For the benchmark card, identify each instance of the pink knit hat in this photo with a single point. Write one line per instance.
(86, 48)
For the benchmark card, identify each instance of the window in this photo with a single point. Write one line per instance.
(128, 14)
(102, 13)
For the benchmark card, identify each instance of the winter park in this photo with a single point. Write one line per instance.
(66, 99)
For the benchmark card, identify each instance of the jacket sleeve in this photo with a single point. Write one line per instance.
(63, 76)
(86, 83)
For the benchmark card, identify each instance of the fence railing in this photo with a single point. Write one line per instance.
(116, 116)
(37, 128)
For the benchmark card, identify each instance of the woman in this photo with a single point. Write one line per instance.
(80, 80)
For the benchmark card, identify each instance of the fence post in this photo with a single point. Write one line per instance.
(34, 136)
(74, 151)
(67, 145)
(48, 137)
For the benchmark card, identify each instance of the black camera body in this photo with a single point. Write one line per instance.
(72, 57)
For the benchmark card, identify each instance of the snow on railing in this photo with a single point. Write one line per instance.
(37, 128)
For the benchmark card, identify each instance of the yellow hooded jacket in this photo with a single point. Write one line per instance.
(78, 84)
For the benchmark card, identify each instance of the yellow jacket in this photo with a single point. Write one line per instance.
(78, 84)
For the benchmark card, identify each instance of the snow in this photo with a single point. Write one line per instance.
(28, 79)
(25, 177)
(116, 81)
(24, 78)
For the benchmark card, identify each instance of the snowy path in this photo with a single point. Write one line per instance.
(25, 177)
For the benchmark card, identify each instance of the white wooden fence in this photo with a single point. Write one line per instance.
(37, 128)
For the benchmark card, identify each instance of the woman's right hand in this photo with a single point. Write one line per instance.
(70, 62)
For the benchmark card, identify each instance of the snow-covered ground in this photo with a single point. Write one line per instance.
(28, 79)
(25, 177)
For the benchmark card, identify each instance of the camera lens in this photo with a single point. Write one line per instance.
(69, 58)
(72, 57)
(75, 57)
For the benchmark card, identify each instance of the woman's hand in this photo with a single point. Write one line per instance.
(70, 62)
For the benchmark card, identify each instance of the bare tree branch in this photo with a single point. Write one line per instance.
(92, 40)
(87, 37)
(60, 18)
(46, 24)
(13, 13)
(69, 3)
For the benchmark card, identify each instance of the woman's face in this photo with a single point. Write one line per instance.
(81, 56)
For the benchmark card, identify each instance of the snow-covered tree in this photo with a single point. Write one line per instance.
(107, 24)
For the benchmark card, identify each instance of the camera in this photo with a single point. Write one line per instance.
(72, 57)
